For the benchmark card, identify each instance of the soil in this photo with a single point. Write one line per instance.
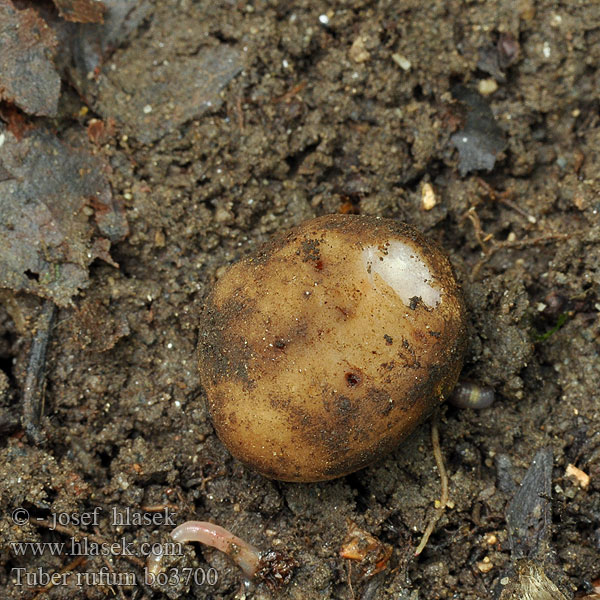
(338, 107)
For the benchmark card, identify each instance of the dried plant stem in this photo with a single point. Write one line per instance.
(439, 461)
(70, 567)
(33, 391)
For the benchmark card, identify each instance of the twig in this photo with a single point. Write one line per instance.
(518, 244)
(505, 198)
(439, 461)
(160, 507)
(240, 113)
(349, 571)
(72, 565)
(288, 96)
(542, 239)
(112, 570)
(35, 377)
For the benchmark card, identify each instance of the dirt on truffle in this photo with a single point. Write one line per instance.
(322, 108)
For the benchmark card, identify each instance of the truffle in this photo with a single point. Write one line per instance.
(325, 348)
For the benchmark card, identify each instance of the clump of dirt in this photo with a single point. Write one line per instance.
(319, 108)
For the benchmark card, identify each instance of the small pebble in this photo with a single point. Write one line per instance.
(578, 476)
(402, 61)
(485, 565)
(487, 87)
(428, 197)
(358, 53)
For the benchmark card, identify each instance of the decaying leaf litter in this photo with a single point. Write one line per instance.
(299, 111)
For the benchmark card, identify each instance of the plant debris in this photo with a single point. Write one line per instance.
(495, 59)
(528, 516)
(480, 140)
(81, 11)
(371, 554)
(531, 583)
(46, 239)
(165, 97)
(34, 382)
(85, 48)
(534, 573)
(28, 77)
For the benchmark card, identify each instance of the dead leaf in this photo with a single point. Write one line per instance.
(47, 240)
(85, 48)
(81, 11)
(481, 139)
(27, 74)
(165, 96)
(371, 554)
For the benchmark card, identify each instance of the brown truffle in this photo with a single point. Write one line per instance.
(326, 347)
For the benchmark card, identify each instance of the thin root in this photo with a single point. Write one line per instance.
(439, 461)
(70, 567)
(518, 244)
(112, 570)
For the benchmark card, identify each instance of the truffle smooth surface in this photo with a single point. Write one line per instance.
(326, 347)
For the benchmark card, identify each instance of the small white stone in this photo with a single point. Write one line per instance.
(487, 87)
(546, 50)
(358, 53)
(147, 109)
(402, 61)
(428, 197)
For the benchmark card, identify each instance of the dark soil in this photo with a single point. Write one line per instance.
(317, 122)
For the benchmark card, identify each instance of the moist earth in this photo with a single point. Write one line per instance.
(310, 108)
